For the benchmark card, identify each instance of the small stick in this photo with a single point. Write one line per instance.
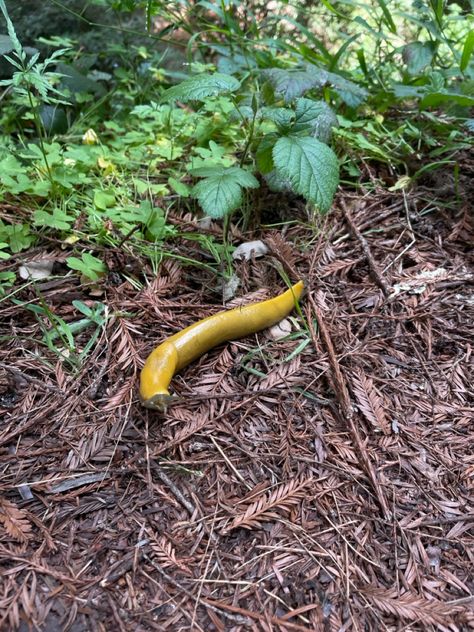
(367, 252)
(178, 494)
(342, 395)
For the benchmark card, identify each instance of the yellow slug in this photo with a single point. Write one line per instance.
(187, 345)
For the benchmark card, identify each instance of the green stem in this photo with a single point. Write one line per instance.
(249, 139)
(34, 109)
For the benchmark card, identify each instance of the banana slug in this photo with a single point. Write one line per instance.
(187, 345)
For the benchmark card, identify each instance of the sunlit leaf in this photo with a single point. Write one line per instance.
(311, 166)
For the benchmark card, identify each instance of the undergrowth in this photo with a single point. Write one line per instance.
(98, 149)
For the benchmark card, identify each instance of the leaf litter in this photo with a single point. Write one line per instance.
(324, 481)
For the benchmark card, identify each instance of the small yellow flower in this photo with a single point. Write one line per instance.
(90, 137)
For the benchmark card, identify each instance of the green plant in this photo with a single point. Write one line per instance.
(88, 265)
(32, 82)
(288, 134)
(55, 328)
(269, 100)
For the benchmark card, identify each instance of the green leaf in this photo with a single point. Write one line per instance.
(418, 55)
(277, 182)
(89, 265)
(282, 117)
(314, 117)
(103, 199)
(7, 279)
(351, 93)
(58, 219)
(4, 255)
(200, 87)
(311, 166)
(387, 16)
(402, 91)
(220, 192)
(437, 98)
(264, 154)
(17, 236)
(179, 187)
(156, 223)
(293, 82)
(467, 51)
(215, 155)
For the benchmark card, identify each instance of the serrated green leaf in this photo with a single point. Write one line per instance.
(200, 87)
(292, 83)
(282, 117)
(351, 93)
(221, 193)
(311, 166)
(314, 117)
(402, 91)
(243, 177)
(417, 55)
(207, 172)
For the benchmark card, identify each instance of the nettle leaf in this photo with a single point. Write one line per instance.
(291, 83)
(351, 93)
(220, 192)
(200, 87)
(418, 55)
(311, 166)
(316, 118)
(282, 117)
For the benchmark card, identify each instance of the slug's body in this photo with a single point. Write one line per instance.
(189, 344)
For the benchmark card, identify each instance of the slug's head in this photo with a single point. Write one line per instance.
(159, 368)
(158, 402)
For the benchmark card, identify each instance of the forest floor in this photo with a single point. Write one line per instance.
(322, 482)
